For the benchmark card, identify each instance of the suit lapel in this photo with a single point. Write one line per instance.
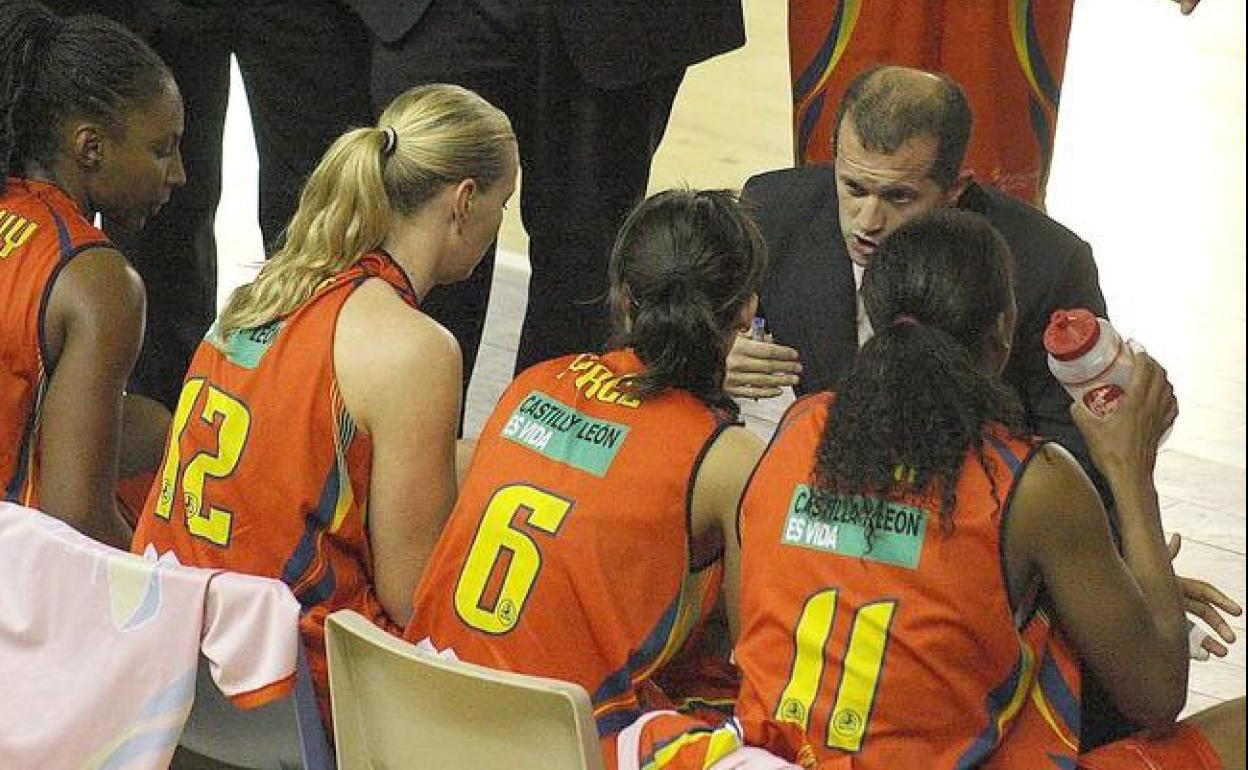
(830, 333)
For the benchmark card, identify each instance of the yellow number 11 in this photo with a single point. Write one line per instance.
(860, 672)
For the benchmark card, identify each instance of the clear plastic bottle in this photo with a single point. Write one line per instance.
(1088, 357)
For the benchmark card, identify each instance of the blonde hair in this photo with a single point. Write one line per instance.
(442, 135)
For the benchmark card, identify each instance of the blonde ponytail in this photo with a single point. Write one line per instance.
(439, 135)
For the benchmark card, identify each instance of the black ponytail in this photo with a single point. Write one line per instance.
(917, 398)
(684, 265)
(53, 69)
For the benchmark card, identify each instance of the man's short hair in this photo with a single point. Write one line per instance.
(890, 106)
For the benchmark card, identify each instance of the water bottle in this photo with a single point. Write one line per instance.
(1088, 357)
(1094, 364)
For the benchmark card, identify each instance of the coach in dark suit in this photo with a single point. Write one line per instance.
(809, 294)
(900, 141)
(909, 161)
(588, 85)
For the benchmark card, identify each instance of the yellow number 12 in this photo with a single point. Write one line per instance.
(211, 523)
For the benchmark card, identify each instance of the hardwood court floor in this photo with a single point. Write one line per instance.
(1149, 168)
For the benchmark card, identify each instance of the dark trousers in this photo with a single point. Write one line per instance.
(305, 67)
(585, 157)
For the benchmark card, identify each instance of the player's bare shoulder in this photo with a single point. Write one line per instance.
(384, 349)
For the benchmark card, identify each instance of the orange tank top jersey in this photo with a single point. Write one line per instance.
(41, 230)
(265, 471)
(1009, 56)
(567, 554)
(875, 635)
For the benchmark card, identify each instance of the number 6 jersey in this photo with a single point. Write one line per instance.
(877, 635)
(567, 554)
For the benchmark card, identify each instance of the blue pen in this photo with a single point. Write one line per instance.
(757, 329)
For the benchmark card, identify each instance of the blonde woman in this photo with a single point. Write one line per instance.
(314, 438)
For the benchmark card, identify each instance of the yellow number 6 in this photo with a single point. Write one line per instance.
(545, 512)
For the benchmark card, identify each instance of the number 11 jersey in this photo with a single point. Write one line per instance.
(877, 633)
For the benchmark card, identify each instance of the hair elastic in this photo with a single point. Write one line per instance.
(905, 319)
(391, 141)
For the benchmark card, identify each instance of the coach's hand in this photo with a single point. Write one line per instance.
(760, 368)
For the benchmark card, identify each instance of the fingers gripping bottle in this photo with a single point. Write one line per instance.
(1088, 357)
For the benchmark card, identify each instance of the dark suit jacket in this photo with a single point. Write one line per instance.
(613, 43)
(808, 293)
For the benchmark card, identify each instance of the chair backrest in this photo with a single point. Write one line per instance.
(286, 734)
(396, 706)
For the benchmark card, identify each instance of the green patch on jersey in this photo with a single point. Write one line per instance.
(565, 435)
(841, 523)
(245, 347)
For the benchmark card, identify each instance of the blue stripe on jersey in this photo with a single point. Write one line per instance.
(62, 234)
(807, 126)
(615, 721)
(21, 472)
(321, 591)
(302, 560)
(810, 77)
(996, 702)
(13, 493)
(1056, 691)
(620, 682)
(1011, 460)
(696, 733)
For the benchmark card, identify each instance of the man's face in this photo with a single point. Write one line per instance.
(877, 192)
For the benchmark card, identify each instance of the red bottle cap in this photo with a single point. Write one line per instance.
(1071, 333)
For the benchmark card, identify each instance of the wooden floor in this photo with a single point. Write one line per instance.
(1149, 168)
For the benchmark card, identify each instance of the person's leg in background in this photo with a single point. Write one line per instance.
(128, 13)
(1009, 57)
(176, 252)
(305, 65)
(472, 43)
(585, 152)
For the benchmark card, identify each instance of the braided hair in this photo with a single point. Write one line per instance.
(54, 69)
(917, 399)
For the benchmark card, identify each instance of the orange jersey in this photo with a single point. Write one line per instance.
(567, 554)
(1182, 747)
(1009, 56)
(41, 230)
(265, 471)
(879, 635)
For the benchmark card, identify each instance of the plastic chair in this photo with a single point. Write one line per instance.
(282, 735)
(396, 706)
